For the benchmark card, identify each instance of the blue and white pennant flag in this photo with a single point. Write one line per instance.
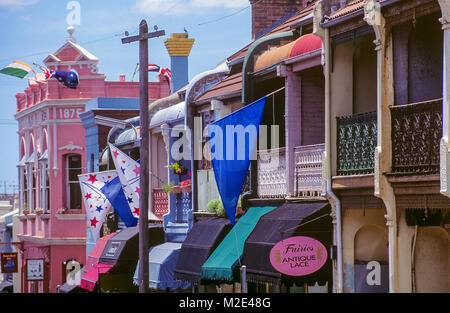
(129, 172)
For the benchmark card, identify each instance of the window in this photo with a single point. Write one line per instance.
(73, 191)
(45, 186)
(23, 197)
(30, 187)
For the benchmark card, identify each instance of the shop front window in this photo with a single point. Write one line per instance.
(73, 191)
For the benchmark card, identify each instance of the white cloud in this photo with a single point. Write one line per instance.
(185, 7)
(16, 3)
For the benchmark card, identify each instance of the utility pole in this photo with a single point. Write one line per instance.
(143, 37)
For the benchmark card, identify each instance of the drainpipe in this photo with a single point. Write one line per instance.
(333, 198)
(256, 47)
(196, 134)
(324, 34)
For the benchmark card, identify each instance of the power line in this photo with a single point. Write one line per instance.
(131, 33)
(226, 16)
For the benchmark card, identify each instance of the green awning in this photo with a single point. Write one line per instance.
(220, 264)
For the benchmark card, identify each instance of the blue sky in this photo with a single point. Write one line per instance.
(32, 29)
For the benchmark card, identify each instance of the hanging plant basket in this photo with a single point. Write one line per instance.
(181, 171)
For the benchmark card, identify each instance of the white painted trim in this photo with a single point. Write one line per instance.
(52, 103)
(71, 217)
(75, 241)
(70, 147)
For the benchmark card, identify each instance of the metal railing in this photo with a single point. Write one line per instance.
(356, 143)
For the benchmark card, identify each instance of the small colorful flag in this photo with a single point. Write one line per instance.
(95, 201)
(17, 69)
(153, 68)
(129, 172)
(167, 74)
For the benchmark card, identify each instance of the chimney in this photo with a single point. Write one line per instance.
(266, 12)
(179, 47)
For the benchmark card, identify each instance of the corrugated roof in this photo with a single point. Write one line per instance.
(232, 83)
(351, 7)
(286, 25)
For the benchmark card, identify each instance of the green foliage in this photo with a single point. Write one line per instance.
(212, 205)
(168, 187)
(220, 210)
(216, 206)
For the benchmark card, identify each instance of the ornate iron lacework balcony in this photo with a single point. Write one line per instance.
(356, 142)
(160, 202)
(416, 134)
(308, 170)
(272, 181)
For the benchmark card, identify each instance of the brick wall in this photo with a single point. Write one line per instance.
(267, 12)
(313, 106)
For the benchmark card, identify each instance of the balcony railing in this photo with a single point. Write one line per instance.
(416, 134)
(160, 202)
(308, 170)
(356, 142)
(272, 181)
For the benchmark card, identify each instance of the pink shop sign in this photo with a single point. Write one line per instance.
(298, 256)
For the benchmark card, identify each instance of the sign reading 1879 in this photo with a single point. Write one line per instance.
(69, 113)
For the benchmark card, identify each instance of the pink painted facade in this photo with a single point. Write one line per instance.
(52, 154)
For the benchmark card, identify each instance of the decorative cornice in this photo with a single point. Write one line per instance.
(317, 21)
(70, 147)
(445, 9)
(179, 45)
(75, 241)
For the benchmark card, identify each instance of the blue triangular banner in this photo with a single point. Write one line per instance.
(231, 155)
(114, 193)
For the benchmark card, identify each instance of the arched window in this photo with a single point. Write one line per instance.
(31, 185)
(371, 269)
(371, 244)
(44, 175)
(23, 197)
(432, 260)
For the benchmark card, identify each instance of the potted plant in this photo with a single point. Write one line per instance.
(186, 185)
(39, 211)
(167, 188)
(216, 206)
(178, 168)
(62, 211)
(26, 211)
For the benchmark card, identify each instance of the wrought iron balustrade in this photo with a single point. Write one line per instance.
(308, 170)
(272, 181)
(416, 135)
(356, 143)
(160, 202)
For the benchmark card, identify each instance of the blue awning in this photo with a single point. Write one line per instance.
(163, 259)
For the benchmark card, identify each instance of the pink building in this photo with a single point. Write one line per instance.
(52, 154)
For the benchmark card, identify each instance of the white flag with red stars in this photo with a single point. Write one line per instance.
(129, 174)
(96, 203)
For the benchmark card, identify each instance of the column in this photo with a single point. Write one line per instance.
(445, 145)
